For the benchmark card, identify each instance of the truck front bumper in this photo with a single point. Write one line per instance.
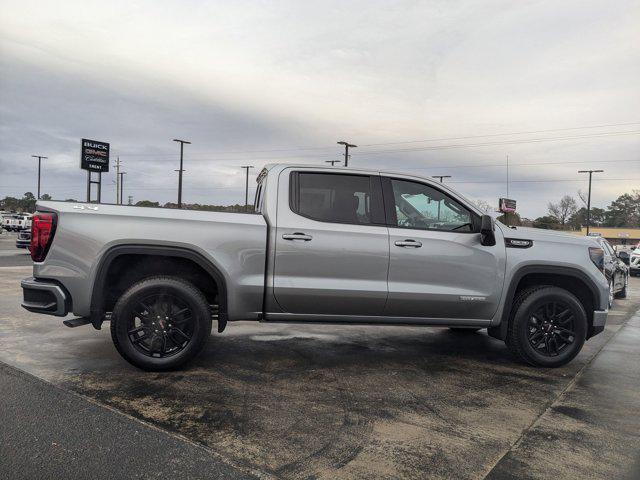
(44, 296)
(600, 318)
(599, 321)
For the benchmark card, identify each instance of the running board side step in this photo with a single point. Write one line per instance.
(77, 322)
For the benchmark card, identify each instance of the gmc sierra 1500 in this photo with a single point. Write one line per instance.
(326, 245)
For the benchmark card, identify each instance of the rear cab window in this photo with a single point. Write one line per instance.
(337, 198)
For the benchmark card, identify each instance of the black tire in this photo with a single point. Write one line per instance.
(150, 342)
(464, 331)
(525, 327)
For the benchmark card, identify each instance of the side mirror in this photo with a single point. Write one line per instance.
(624, 256)
(487, 231)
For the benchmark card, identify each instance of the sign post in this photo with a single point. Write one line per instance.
(94, 157)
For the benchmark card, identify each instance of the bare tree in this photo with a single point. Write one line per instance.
(582, 196)
(485, 206)
(563, 210)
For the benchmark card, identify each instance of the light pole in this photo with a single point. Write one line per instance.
(181, 142)
(246, 190)
(332, 162)
(590, 172)
(347, 145)
(118, 199)
(121, 179)
(39, 157)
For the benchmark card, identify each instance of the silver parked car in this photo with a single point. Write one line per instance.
(326, 245)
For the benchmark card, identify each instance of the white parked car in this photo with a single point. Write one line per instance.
(26, 222)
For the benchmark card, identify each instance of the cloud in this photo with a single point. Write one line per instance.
(245, 76)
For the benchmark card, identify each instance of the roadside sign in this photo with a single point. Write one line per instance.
(94, 156)
(507, 205)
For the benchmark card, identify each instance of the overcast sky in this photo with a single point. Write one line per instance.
(249, 83)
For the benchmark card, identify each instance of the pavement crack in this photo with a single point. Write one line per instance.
(549, 404)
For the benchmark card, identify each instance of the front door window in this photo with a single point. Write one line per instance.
(420, 206)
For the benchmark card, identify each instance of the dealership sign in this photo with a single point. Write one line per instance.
(94, 156)
(507, 205)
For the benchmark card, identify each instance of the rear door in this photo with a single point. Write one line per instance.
(438, 267)
(332, 246)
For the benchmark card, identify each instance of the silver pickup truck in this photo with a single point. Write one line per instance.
(325, 245)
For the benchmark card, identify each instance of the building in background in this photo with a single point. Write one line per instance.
(622, 236)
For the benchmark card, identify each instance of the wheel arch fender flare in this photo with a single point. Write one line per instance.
(500, 331)
(105, 261)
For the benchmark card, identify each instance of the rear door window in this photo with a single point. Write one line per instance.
(336, 198)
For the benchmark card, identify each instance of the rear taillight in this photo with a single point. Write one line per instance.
(597, 257)
(43, 227)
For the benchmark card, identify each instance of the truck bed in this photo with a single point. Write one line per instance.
(235, 243)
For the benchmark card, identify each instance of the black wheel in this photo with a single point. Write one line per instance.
(464, 331)
(160, 323)
(548, 326)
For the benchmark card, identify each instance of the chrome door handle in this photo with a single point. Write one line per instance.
(408, 243)
(297, 236)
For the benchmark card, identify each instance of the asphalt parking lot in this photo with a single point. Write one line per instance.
(291, 401)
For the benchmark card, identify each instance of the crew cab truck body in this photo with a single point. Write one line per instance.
(326, 245)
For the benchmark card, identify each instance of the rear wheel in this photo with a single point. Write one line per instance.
(160, 323)
(548, 327)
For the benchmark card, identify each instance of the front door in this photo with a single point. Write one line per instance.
(332, 246)
(438, 267)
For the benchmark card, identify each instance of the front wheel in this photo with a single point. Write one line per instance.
(160, 323)
(548, 326)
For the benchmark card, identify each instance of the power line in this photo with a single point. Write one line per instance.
(530, 132)
(434, 147)
(554, 180)
(297, 149)
(240, 188)
(518, 164)
(320, 156)
(507, 142)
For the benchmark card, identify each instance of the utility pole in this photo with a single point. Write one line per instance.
(347, 145)
(246, 190)
(181, 142)
(507, 176)
(590, 172)
(440, 177)
(118, 181)
(121, 184)
(332, 162)
(39, 157)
